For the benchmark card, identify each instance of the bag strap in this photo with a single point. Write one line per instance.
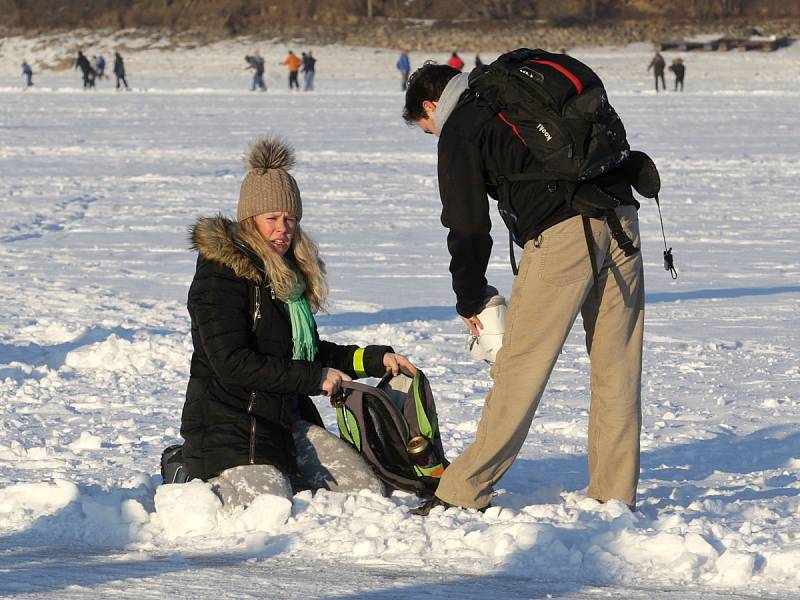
(503, 182)
(587, 232)
(669, 261)
(618, 233)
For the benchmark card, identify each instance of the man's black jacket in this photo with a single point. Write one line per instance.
(475, 147)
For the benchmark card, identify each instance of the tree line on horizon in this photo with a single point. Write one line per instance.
(242, 16)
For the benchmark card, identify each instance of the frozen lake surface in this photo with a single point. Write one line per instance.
(97, 192)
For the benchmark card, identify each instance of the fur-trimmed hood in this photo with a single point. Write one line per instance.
(215, 239)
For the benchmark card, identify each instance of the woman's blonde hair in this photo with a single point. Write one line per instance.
(303, 251)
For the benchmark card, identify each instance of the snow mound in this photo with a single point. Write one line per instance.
(148, 355)
(187, 508)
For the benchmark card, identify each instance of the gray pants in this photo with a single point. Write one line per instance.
(325, 462)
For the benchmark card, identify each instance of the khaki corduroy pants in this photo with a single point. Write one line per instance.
(554, 283)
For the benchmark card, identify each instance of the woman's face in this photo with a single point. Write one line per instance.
(277, 229)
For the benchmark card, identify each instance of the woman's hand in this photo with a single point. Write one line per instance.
(331, 380)
(397, 363)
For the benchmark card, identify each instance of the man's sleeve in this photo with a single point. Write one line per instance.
(465, 213)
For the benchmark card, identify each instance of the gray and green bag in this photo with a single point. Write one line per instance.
(394, 427)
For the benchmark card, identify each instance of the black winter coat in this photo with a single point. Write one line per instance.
(679, 70)
(119, 66)
(475, 147)
(83, 64)
(244, 385)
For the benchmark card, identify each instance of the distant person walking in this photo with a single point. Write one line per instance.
(658, 64)
(404, 66)
(119, 70)
(256, 62)
(100, 67)
(27, 72)
(679, 69)
(309, 70)
(82, 63)
(293, 62)
(455, 61)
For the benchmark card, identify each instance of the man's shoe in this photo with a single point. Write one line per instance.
(424, 509)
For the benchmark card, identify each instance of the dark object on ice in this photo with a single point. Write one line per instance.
(173, 469)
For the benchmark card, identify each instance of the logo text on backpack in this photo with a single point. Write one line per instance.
(532, 74)
(544, 131)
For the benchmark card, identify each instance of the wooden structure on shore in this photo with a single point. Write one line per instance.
(764, 44)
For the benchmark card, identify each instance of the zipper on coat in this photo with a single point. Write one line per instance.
(257, 309)
(250, 406)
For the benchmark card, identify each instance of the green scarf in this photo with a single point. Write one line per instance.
(305, 343)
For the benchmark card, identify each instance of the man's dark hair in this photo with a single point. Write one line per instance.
(426, 83)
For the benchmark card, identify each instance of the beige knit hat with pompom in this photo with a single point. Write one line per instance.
(268, 187)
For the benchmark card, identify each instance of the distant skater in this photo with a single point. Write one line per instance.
(82, 63)
(404, 66)
(293, 62)
(100, 67)
(678, 68)
(27, 72)
(455, 61)
(657, 64)
(256, 62)
(309, 70)
(119, 70)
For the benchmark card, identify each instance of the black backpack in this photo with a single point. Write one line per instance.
(395, 429)
(557, 106)
(559, 109)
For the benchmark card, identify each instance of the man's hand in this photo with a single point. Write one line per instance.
(397, 363)
(474, 324)
(331, 380)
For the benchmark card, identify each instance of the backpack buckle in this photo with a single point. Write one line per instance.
(338, 398)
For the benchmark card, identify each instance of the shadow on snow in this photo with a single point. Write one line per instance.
(392, 316)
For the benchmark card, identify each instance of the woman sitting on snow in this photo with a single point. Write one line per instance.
(249, 424)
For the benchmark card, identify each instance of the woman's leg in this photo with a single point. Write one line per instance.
(238, 486)
(327, 462)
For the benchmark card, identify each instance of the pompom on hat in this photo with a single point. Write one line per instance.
(268, 187)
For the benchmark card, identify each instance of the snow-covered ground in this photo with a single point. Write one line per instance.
(97, 192)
